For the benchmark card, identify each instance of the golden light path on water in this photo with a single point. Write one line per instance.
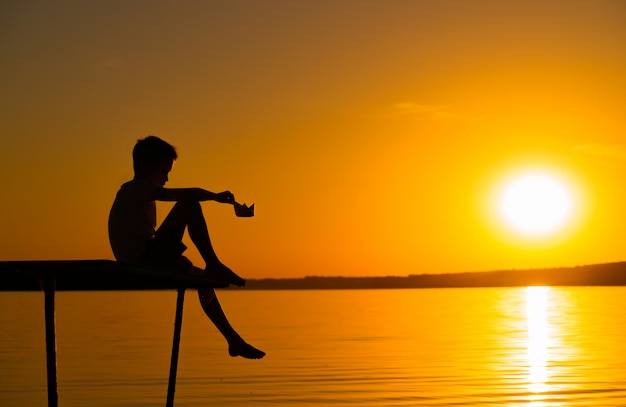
(538, 326)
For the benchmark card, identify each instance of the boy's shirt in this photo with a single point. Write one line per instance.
(132, 220)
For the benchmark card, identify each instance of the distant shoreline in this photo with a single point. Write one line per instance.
(607, 274)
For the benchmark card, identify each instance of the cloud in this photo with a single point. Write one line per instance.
(417, 109)
(615, 152)
(414, 108)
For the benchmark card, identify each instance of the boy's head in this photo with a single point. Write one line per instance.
(153, 159)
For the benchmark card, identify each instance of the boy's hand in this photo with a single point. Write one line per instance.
(225, 197)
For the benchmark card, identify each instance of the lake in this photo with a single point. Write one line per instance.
(538, 346)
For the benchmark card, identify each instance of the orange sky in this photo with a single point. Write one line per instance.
(370, 134)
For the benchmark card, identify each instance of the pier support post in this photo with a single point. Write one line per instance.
(49, 282)
(178, 323)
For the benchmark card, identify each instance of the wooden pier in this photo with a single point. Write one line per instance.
(91, 275)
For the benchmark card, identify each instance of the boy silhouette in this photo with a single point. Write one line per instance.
(134, 239)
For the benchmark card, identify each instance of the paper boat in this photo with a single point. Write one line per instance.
(243, 210)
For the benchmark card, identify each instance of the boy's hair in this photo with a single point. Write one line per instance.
(151, 150)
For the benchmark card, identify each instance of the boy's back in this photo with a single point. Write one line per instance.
(132, 220)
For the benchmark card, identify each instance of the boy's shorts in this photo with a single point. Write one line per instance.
(163, 250)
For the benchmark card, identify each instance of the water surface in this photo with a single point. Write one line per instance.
(418, 347)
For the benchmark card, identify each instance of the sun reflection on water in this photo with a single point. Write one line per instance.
(537, 306)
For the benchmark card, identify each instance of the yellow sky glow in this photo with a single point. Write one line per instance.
(370, 135)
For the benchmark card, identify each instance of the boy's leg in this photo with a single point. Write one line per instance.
(236, 345)
(189, 215)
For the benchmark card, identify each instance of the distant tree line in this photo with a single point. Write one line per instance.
(608, 274)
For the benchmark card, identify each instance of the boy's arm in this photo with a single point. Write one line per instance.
(192, 194)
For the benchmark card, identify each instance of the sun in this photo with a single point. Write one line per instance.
(535, 204)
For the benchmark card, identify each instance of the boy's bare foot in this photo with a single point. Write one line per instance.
(245, 350)
(221, 272)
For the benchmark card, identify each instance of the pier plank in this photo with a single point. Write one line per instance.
(89, 275)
